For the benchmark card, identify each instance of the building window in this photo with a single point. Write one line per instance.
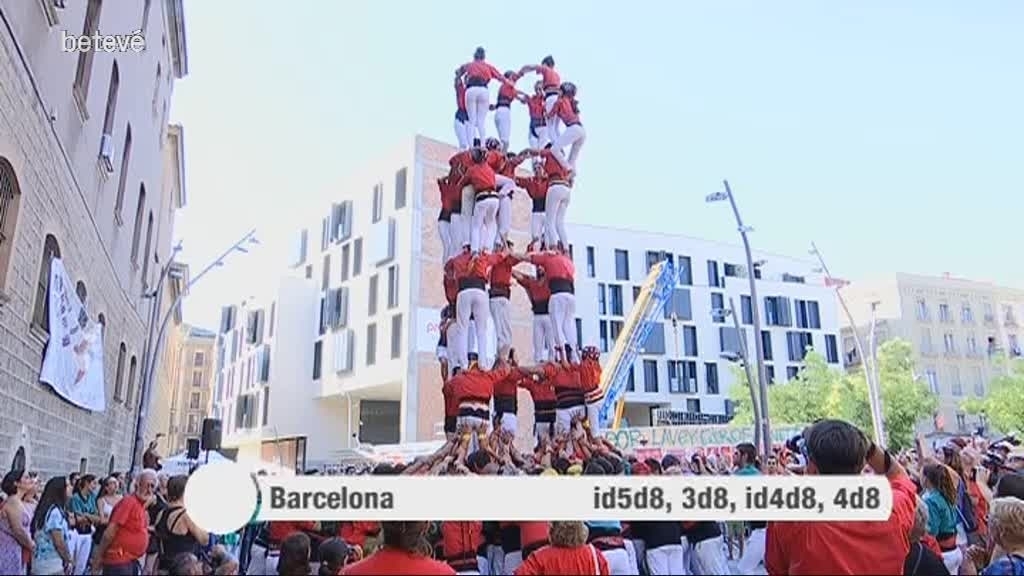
(273, 314)
(346, 257)
(932, 377)
(711, 377)
(325, 276)
(83, 71)
(746, 310)
(81, 291)
(807, 314)
(685, 272)
(651, 376)
(318, 356)
(357, 257)
(602, 302)
(378, 202)
(579, 330)
(400, 183)
(130, 388)
(10, 198)
(682, 377)
(798, 343)
(309, 272)
(766, 345)
(193, 401)
(147, 255)
(615, 296)
(621, 265)
(197, 379)
(961, 421)
(693, 405)
(636, 293)
(191, 427)
(831, 349)
(371, 344)
(126, 154)
(119, 374)
(949, 343)
(374, 289)
(591, 272)
(690, 341)
(108, 116)
(923, 314)
(41, 311)
(199, 359)
(602, 330)
(944, 315)
(396, 336)
(926, 341)
(972, 344)
(325, 234)
(266, 405)
(614, 329)
(140, 210)
(392, 287)
(714, 279)
(717, 308)
(966, 316)
(792, 373)
(769, 375)
(776, 309)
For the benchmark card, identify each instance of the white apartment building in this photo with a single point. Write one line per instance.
(91, 174)
(363, 295)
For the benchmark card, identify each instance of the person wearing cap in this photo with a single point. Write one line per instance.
(552, 83)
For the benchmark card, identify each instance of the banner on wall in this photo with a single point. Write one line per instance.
(73, 364)
(685, 441)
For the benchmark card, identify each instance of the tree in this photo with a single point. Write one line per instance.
(821, 391)
(1004, 404)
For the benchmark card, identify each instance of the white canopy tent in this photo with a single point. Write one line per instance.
(180, 463)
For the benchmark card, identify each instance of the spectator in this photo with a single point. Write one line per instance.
(174, 531)
(1006, 526)
(405, 551)
(752, 549)
(51, 531)
(108, 498)
(83, 501)
(568, 553)
(295, 552)
(922, 560)
(126, 537)
(334, 555)
(940, 494)
(834, 447)
(15, 533)
(185, 565)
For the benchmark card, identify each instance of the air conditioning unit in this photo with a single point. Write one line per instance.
(107, 152)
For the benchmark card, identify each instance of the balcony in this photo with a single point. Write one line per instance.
(1010, 321)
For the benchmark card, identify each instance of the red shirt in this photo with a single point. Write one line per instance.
(460, 161)
(797, 548)
(590, 374)
(501, 270)
(536, 290)
(356, 533)
(451, 289)
(532, 533)
(392, 562)
(278, 531)
(506, 94)
(561, 377)
(565, 110)
(132, 536)
(465, 266)
(555, 265)
(460, 95)
(476, 385)
(542, 391)
(508, 386)
(551, 560)
(549, 78)
(482, 70)
(553, 168)
(480, 177)
(451, 402)
(460, 541)
(535, 186)
(535, 104)
(450, 193)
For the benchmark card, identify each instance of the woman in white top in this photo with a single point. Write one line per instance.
(108, 498)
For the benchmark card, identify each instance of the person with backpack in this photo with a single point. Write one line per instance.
(1006, 527)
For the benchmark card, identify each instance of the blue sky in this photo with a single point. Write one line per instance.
(888, 132)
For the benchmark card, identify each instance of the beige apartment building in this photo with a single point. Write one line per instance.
(959, 329)
(192, 370)
(84, 178)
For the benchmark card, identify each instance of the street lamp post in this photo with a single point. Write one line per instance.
(151, 359)
(745, 359)
(874, 396)
(762, 381)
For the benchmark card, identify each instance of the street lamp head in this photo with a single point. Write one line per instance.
(242, 249)
(716, 197)
(719, 313)
(760, 263)
(254, 240)
(745, 229)
(730, 356)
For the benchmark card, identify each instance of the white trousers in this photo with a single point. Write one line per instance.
(495, 560)
(80, 546)
(477, 106)
(543, 338)
(468, 206)
(462, 134)
(542, 430)
(593, 414)
(573, 136)
(953, 559)
(510, 423)
(503, 123)
(552, 123)
(620, 563)
(564, 416)
(537, 136)
(563, 320)
(666, 560)
(753, 552)
(708, 557)
(513, 560)
(444, 232)
(537, 226)
(455, 351)
(485, 225)
(502, 323)
(455, 231)
(504, 219)
(555, 207)
(272, 560)
(634, 560)
(257, 560)
(472, 301)
(479, 425)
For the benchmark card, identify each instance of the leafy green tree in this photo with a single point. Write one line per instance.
(822, 391)
(1004, 404)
